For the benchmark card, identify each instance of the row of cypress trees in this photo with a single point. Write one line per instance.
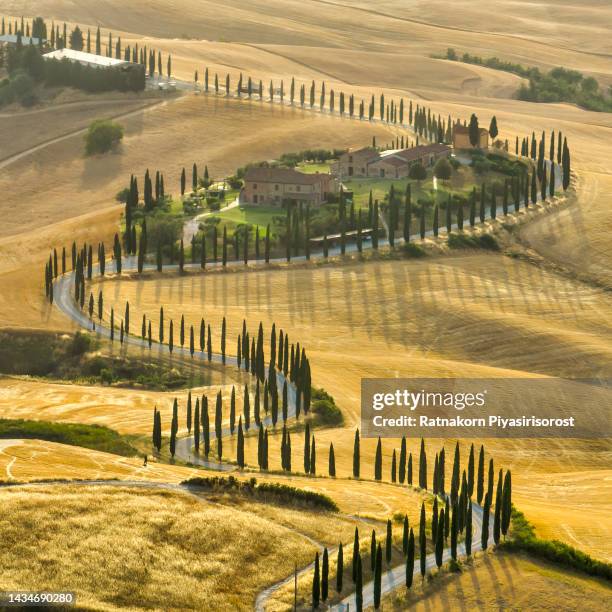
(452, 520)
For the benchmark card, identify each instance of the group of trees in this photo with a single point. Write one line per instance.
(452, 518)
(558, 151)
(293, 369)
(556, 85)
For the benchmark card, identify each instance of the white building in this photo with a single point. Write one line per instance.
(85, 59)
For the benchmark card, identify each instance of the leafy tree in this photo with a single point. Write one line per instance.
(102, 136)
(443, 169)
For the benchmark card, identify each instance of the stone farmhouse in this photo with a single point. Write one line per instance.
(368, 162)
(276, 186)
(461, 137)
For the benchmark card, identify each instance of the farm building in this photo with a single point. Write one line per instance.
(369, 162)
(12, 40)
(461, 138)
(86, 59)
(275, 186)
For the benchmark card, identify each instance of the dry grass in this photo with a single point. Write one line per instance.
(123, 548)
(26, 460)
(127, 411)
(502, 581)
(470, 316)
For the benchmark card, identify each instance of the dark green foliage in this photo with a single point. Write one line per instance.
(524, 539)
(410, 560)
(466, 241)
(378, 461)
(316, 583)
(339, 568)
(96, 437)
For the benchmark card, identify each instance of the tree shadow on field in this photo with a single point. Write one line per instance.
(101, 169)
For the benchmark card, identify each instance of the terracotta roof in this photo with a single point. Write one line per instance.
(464, 129)
(283, 175)
(367, 152)
(421, 150)
(392, 160)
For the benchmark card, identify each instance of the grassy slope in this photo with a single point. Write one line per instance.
(89, 436)
(507, 580)
(172, 540)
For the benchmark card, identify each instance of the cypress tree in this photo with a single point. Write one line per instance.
(393, 467)
(218, 431)
(498, 505)
(378, 578)
(402, 461)
(316, 584)
(506, 511)
(454, 531)
(313, 456)
(325, 575)
(373, 550)
(484, 537)
(409, 470)
(389, 542)
(470, 474)
(240, 445)
(468, 531)
(339, 568)
(490, 480)
(455, 476)
(355, 554)
(332, 460)
(205, 426)
(422, 542)
(439, 540)
(247, 408)
(232, 410)
(480, 477)
(378, 461)
(423, 466)
(307, 448)
(359, 585)
(356, 455)
(196, 425)
(189, 412)
(410, 560)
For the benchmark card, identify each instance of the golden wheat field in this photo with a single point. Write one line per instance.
(130, 547)
(469, 314)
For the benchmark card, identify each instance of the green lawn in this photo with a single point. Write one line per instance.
(255, 215)
(312, 167)
(461, 183)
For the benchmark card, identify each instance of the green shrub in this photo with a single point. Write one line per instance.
(410, 249)
(266, 491)
(324, 409)
(102, 136)
(525, 539)
(458, 240)
(96, 437)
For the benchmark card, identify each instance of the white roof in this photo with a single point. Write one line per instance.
(390, 152)
(84, 58)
